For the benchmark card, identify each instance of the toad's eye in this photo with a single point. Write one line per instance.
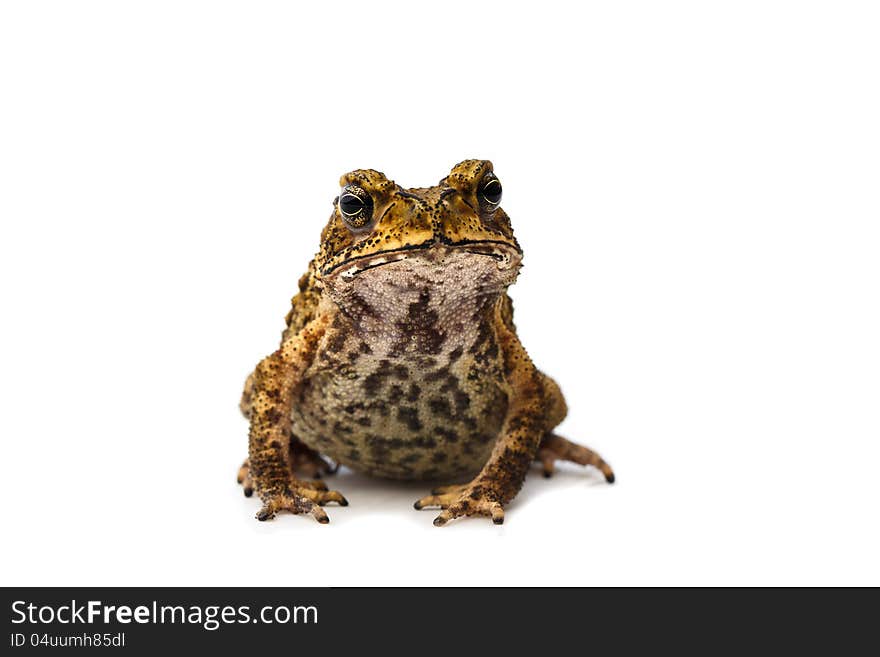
(490, 191)
(356, 206)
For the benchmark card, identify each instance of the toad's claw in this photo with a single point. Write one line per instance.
(461, 500)
(554, 448)
(307, 497)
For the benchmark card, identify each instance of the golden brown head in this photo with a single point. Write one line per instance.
(377, 223)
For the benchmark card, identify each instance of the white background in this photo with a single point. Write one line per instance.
(696, 189)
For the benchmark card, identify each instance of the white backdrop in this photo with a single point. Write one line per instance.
(695, 186)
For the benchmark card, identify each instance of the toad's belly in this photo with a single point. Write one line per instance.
(400, 418)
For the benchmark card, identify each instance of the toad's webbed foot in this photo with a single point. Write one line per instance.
(462, 500)
(303, 497)
(554, 448)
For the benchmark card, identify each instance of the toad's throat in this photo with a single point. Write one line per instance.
(441, 291)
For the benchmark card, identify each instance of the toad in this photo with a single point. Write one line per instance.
(400, 358)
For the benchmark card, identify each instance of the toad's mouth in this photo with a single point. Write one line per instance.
(505, 255)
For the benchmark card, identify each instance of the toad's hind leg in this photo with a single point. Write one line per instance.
(556, 448)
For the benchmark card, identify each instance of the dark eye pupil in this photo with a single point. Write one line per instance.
(492, 191)
(350, 204)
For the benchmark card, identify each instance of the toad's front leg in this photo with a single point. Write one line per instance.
(274, 382)
(503, 474)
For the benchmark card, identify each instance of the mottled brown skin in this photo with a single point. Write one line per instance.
(400, 358)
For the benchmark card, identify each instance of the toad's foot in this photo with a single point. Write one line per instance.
(462, 500)
(308, 463)
(554, 448)
(303, 497)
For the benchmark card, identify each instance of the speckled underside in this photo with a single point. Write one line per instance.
(406, 385)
